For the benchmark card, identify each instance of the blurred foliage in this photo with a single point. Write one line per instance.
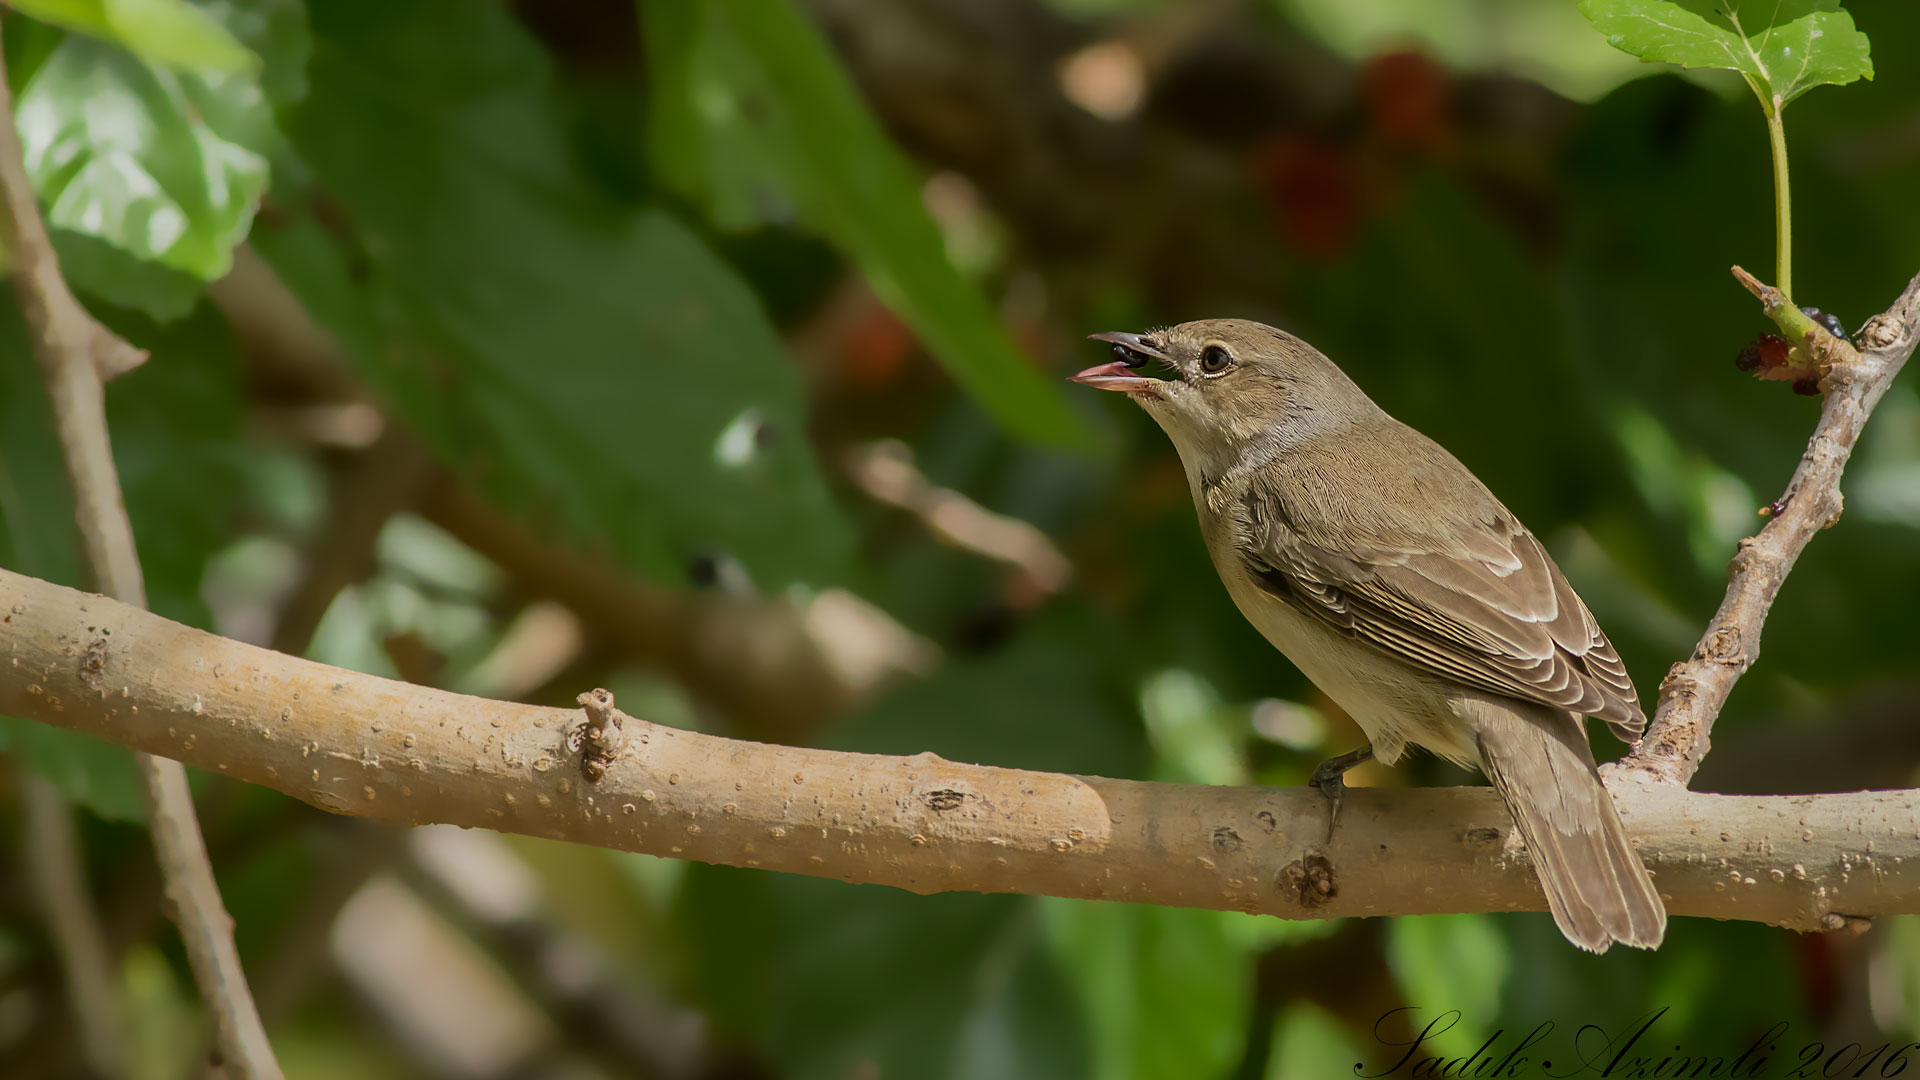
(642, 275)
(1547, 42)
(752, 116)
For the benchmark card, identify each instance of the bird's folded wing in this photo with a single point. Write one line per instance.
(1487, 609)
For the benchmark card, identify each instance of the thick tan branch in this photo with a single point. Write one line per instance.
(1692, 694)
(360, 745)
(75, 352)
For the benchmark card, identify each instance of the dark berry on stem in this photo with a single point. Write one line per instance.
(1807, 387)
(1831, 322)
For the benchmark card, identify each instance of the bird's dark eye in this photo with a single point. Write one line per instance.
(1214, 359)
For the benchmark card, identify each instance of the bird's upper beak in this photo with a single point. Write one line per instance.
(1130, 351)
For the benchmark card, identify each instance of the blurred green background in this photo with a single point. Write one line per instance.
(714, 352)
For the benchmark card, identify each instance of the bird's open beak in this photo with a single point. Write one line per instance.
(1129, 353)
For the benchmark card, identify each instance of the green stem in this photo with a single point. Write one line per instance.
(1782, 202)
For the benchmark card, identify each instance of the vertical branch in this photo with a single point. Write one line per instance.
(75, 352)
(1853, 381)
(51, 846)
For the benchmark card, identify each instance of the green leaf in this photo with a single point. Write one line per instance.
(1783, 47)
(97, 775)
(166, 166)
(171, 33)
(98, 269)
(833, 980)
(276, 30)
(277, 33)
(1450, 962)
(1198, 739)
(1166, 990)
(1035, 704)
(752, 113)
(1311, 1044)
(597, 368)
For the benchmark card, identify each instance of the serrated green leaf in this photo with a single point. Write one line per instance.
(171, 33)
(164, 165)
(1783, 47)
(597, 368)
(754, 118)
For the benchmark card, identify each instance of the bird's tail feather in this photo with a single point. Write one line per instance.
(1596, 886)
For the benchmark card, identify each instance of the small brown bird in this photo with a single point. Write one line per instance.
(1395, 581)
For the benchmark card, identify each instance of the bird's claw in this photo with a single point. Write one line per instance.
(1329, 777)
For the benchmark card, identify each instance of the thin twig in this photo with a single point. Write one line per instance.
(1853, 380)
(886, 471)
(75, 352)
(599, 740)
(361, 745)
(54, 868)
(779, 669)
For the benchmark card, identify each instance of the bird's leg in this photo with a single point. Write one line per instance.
(1327, 777)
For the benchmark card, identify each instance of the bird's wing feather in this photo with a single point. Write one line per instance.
(1474, 598)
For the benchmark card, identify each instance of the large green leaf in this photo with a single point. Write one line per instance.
(597, 367)
(831, 980)
(1310, 1044)
(100, 271)
(752, 112)
(276, 31)
(167, 166)
(1447, 963)
(1038, 703)
(1783, 47)
(172, 33)
(1197, 738)
(1166, 990)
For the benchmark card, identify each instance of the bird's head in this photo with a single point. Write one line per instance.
(1230, 384)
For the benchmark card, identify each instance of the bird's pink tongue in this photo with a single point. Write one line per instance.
(1111, 376)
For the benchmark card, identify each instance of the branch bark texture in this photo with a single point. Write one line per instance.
(75, 353)
(356, 744)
